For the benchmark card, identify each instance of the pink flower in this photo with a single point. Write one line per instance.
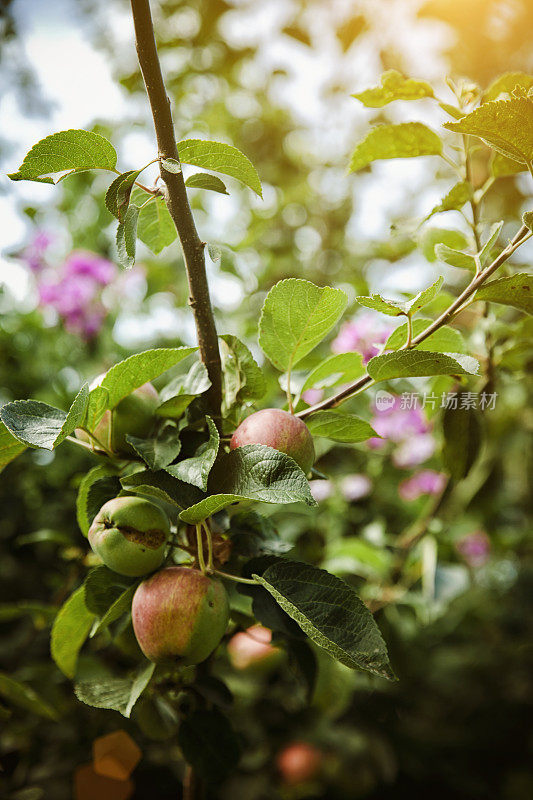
(321, 489)
(363, 334)
(425, 482)
(90, 265)
(475, 548)
(414, 451)
(355, 487)
(34, 253)
(408, 428)
(312, 396)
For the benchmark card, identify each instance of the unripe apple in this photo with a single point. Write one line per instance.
(280, 430)
(134, 415)
(298, 762)
(251, 650)
(179, 614)
(130, 535)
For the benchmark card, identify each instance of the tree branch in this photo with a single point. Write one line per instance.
(178, 203)
(330, 402)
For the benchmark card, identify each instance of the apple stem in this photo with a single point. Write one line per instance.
(235, 578)
(210, 566)
(200, 548)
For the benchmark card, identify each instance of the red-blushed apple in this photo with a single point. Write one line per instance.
(280, 430)
(134, 415)
(179, 614)
(298, 762)
(252, 650)
(130, 535)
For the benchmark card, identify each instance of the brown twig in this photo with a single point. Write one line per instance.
(178, 203)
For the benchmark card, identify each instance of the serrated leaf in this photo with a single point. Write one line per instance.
(444, 340)
(296, 316)
(155, 226)
(118, 694)
(339, 368)
(37, 424)
(504, 84)
(159, 451)
(394, 87)
(177, 395)
(252, 472)
(72, 150)
(455, 199)
(10, 447)
(220, 157)
(202, 180)
(406, 140)
(330, 613)
(485, 253)
(195, 470)
(209, 744)
(126, 239)
(462, 439)
(418, 363)
(163, 486)
(433, 236)
(102, 587)
(70, 630)
(171, 165)
(340, 427)
(95, 474)
(243, 379)
(425, 296)
(23, 696)
(99, 492)
(455, 258)
(118, 607)
(393, 308)
(505, 125)
(516, 291)
(118, 195)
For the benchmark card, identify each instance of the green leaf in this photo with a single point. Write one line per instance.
(195, 470)
(118, 195)
(202, 180)
(40, 425)
(99, 492)
(127, 237)
(455, 199)
(340, 368)
(252, 472)
(23, 696)
(455, 258)
(425, 296)
(10, 447)
(220, 157)
(504, 84)
(393, 308)
(296, 316)
(118, 694)
(155, 226)
(433, 236)
(243, 380)
(171, 165)
(72, 150)
(505, 125)
(126, 376)
(418, 363)
(102, 587)
(500, 166)
(161, 450)
(394, 87)
(486, 250)
(37, 611)
(444, 340)
(163, 486)
(462, 439)
(330, 613)
(82, 514)
(209, 744)
(69, 631)
(352, 555)
(406, 140)
(117, 608)
(516, 291)
(527, 219)
(340, 427)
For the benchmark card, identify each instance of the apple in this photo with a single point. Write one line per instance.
(180, 614)
(134, 415)
(251, 650)
(280, 430)
(130, 535)
(298, 762)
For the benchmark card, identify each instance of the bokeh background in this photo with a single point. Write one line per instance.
(274, 78)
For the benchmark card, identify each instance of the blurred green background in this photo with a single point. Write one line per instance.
(274, 79)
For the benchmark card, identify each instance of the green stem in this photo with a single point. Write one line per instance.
(235, 578)
(210, 566)
(200, 548)
(407, 345)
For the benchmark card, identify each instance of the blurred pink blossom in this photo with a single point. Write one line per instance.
(92, 266)
(475, 548)
(363, 335)
(312, 396)
(34, 253)
(408, 428)
(414, 451)
(355, 487)
(425, 482)
(321, 489)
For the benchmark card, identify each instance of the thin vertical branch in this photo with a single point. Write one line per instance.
(178, 203)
